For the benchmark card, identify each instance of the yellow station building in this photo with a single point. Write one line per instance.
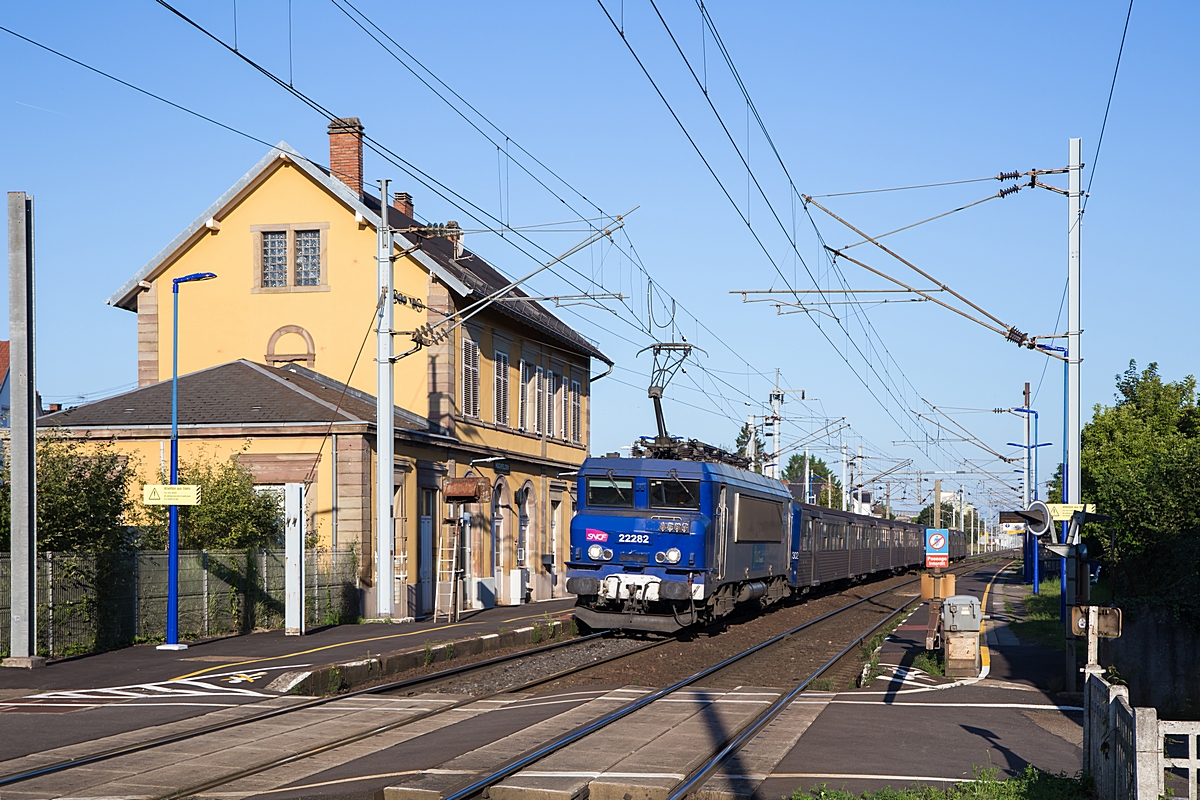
(277, 368)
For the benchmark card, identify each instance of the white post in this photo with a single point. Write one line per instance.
(807, 478)
(776, 429)
(293, 512)
(844, 465)
(751, 442)
(384, 419)
(22, 444)
(1074, 323)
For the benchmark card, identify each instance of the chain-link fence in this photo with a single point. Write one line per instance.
(89, 603)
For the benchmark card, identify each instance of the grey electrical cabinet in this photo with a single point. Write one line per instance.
(962, 612)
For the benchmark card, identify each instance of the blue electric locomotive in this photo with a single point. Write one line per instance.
(658, 544)
(682, 532)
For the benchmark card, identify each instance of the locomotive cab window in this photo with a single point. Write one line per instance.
(612, 492)
(674, 493)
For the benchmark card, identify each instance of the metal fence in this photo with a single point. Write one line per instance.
(1132, 754)
(89, 603)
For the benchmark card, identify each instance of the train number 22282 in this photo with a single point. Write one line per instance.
(633, 538)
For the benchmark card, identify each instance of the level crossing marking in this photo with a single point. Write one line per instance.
(162, 690)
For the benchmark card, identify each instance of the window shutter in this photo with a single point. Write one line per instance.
(576, 414)
(566, 410)
(523, 398)
(539, 390)
(501, 404)
(551, 384)
(470, 378)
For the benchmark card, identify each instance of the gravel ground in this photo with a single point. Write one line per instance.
(515, 673)
(787, 663)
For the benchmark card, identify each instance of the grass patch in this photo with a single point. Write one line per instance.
(1041, 624)
(822, 685)
(930, 662)
(870, 654)
(1032, 784)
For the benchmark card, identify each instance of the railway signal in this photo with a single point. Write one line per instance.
(1038, 518)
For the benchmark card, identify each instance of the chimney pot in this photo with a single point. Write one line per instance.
(404, 203)
(345, 152)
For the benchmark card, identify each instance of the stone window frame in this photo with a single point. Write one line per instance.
(290, 229)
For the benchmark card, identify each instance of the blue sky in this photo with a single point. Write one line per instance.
(854, 95)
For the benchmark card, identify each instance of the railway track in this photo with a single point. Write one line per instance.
(421, 719)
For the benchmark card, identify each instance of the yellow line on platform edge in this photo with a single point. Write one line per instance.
(985, 655)
(336, 645)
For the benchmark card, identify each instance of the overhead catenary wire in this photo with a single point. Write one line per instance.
(754, 233)
(1108, 106)
(509, 140)
(733, 69)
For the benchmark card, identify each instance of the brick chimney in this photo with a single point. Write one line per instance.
(345, 152)
(404, 203)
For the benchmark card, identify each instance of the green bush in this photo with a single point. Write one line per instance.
(1031, 784)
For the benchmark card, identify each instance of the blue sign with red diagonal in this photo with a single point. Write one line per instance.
(937, 547)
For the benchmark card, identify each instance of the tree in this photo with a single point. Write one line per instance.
(760, 455)
(1140, 464)
(926, 516)
(827, 488)
(794, 471)
(232, 515)
(84, 504)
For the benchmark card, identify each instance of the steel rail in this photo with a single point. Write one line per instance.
(7, 780)
(754, 727)
(517, 764)
(358, 737)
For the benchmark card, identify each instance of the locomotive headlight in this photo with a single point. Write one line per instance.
(660, 557)
(596, 553)
(607, 554)
(673, 555)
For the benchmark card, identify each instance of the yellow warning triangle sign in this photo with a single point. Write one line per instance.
(154, 494)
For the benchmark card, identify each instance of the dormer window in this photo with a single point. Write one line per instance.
(290, 257)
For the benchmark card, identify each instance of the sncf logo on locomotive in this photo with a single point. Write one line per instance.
(593, 535)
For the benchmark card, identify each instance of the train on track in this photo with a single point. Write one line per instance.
(659, 544)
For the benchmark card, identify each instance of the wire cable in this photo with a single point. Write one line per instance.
(1108, 105)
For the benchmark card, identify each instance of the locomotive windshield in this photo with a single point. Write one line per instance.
(674, 493)
(611, 491)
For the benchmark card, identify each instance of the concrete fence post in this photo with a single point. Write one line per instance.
(1148, 747)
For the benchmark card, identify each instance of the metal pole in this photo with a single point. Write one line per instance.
(384, 419)
(776, 411)
(843, 476)
(1074, 323)
(173, 511)
(807, 479)
(937, 503)
(22, 443)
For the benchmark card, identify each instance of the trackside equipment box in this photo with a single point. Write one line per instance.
(962, 613)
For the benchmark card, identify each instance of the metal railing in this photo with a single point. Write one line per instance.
(1132, 754)
(90, 603)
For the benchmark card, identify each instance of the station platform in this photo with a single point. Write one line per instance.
(142, 686)
(908, 727)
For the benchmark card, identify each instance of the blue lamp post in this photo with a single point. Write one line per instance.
(173, 534)
(1031, 458)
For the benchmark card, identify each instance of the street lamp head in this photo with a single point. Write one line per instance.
(195, 276)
